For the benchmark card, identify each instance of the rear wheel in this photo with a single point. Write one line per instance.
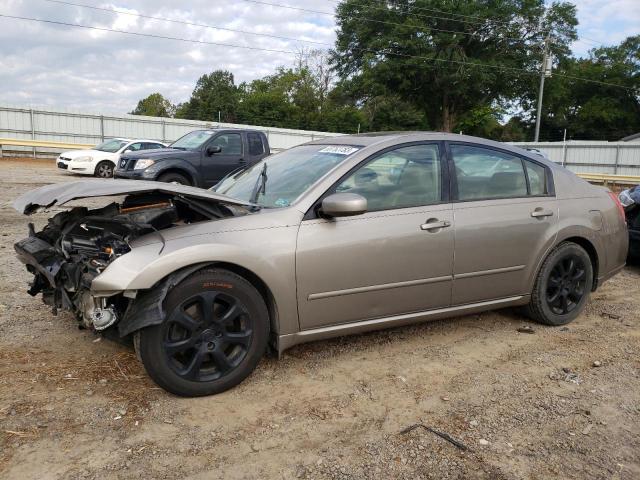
(174, 177)
(104, 169)
(215, 332)
(563, 285)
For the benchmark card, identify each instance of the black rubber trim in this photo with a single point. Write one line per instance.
(147, 308)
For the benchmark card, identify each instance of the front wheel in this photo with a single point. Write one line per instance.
(562, 287)
(104, 169)
(175, 178)
(214, 334)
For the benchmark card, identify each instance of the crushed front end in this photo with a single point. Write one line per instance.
(78, 244)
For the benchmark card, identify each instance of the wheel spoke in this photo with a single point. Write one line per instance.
(564, 303)
(241, 338)
(221, 360)
(232, 312)
(171, 348)
(554, 281)
(578, 275)
(207, 301)
(554, 297)
(192, 370)
(184, 320)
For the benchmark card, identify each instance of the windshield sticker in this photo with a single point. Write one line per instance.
(281, 202)
(339, 150)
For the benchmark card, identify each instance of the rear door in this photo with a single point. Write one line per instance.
(217, 165)
(394, 259)
(505, 212)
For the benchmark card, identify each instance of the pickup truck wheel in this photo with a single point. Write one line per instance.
(562, 287)
(176, 178)
(104, 169)
(214, 334)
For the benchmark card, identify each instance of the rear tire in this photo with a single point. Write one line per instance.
(562, 286)
(104, 169)
(173, 177)
(214, 334)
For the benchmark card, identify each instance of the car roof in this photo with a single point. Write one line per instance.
(368, 139)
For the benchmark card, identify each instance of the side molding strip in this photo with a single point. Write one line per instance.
(489, 272)
(383, 286)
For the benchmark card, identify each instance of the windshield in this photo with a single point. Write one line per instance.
(111, 146)
(278, 180)
(192, 140)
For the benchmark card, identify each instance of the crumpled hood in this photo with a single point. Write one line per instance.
(61, 193)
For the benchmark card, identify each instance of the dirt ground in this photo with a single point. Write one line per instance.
(555, 403)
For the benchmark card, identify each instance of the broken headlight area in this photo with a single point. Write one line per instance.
(77, 245)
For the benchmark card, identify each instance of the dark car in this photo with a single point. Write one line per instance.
(630, 200)
(200, 158)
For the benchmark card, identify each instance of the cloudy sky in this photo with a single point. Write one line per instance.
(98, 71)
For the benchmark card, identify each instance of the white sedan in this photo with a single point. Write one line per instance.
(102, 159)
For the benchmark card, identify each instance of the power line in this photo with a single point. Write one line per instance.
(397, 24)
(150, 35)
(273, 50)
(185, 22)
(477, 18)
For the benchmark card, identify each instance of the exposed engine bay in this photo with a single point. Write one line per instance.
(77, 245)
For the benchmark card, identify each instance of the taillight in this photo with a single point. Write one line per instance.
(616, 200)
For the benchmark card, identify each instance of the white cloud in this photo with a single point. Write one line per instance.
(82, 69)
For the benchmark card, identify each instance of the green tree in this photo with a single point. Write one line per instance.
(155, 105)
(394, 48)
(215, 94)
(589, 110)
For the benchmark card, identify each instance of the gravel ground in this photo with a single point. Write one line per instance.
(554, 403)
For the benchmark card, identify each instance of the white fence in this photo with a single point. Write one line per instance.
(622, 158)
(617, 158)
(75, 127)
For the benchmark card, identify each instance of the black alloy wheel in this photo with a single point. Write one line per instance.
(207, 335)
(215, 332)
(562, 285)
(566, 284)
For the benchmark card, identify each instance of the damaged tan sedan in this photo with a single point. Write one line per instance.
(333, 237)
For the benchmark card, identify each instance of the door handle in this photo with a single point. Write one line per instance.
(539, 212)
(434, 223)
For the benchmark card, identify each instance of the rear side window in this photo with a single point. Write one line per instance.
(255, 144)
(537, 178)
(483, 173)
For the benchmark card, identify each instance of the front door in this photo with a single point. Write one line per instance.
(504, 216)
(217, 165)
(394, 259)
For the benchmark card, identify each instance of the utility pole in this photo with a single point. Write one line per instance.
(545, 71)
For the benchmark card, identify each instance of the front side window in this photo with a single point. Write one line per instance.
(483, 173)
(400, 178)
(230, 143)
(193, 140)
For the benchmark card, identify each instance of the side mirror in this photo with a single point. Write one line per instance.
(214, 149)
(343, 205)
(127, 150)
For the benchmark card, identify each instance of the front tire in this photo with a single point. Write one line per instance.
(104, 169)
(214, 334)
(175, 178)
(562, 287)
